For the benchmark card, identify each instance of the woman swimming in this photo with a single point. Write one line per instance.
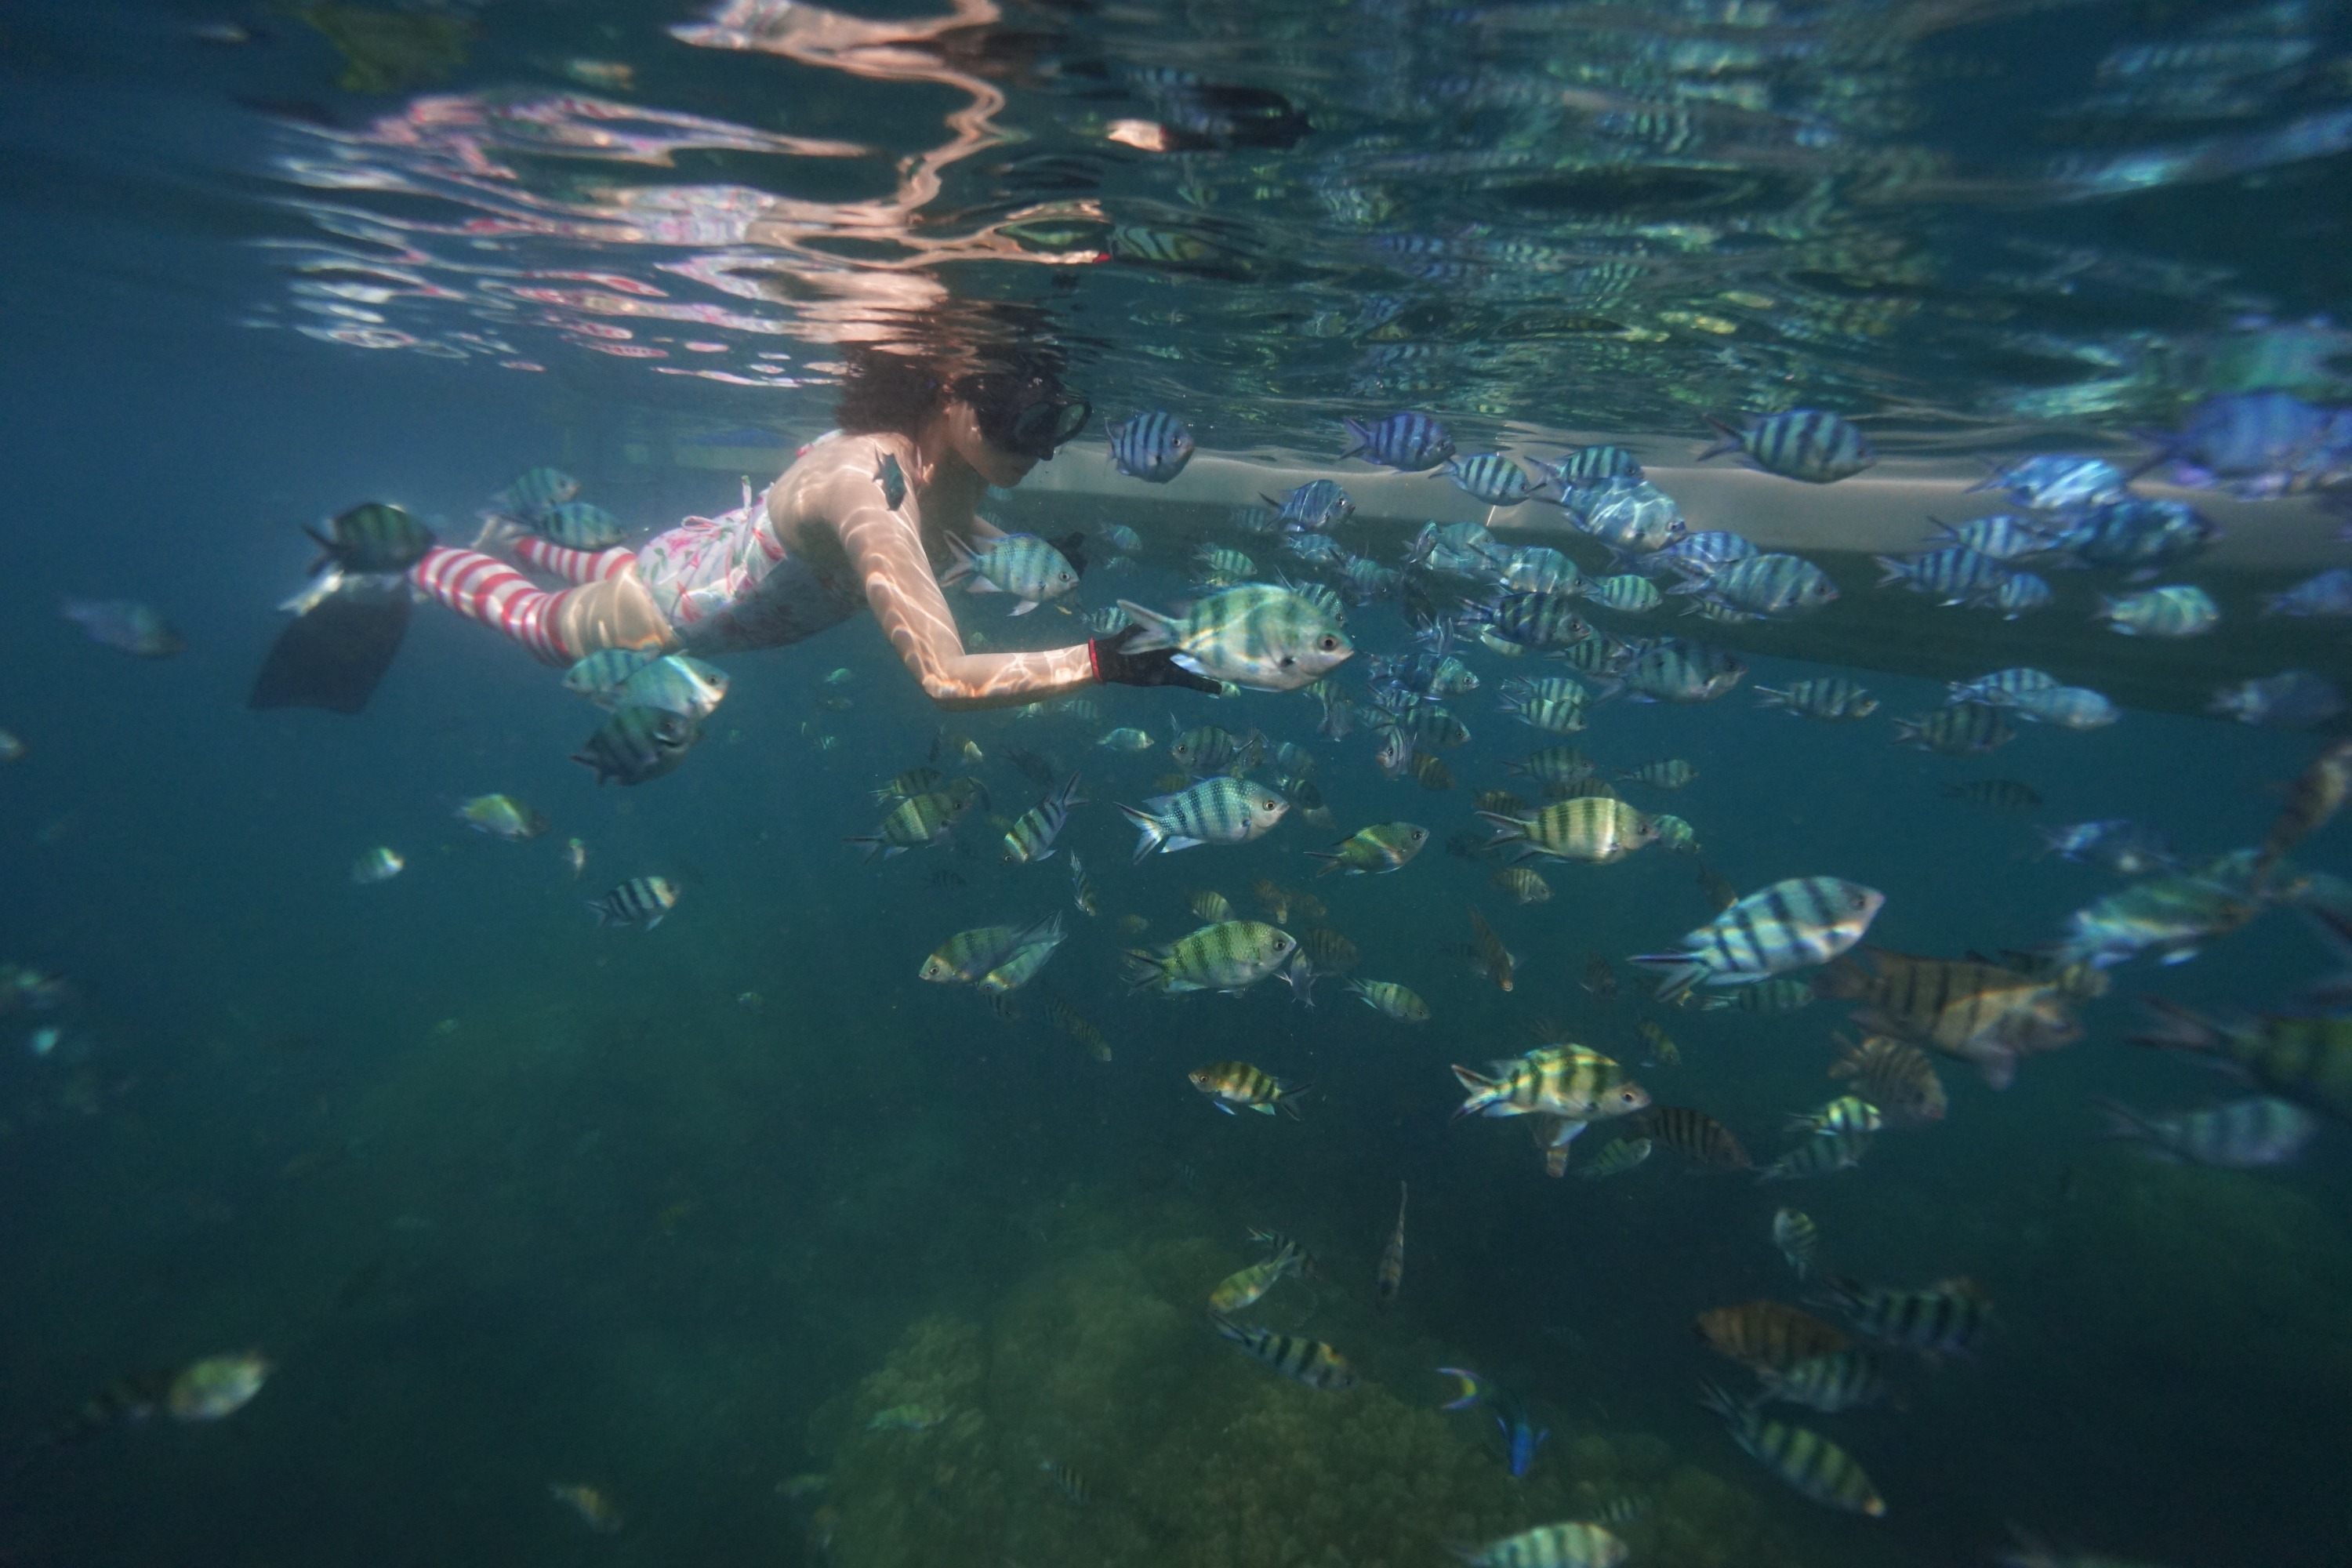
(858, 520)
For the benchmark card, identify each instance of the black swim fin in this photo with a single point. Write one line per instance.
(333, 655)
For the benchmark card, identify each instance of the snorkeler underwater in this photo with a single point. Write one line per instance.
(1540, 785)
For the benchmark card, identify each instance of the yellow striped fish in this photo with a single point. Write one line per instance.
(1569, 1080)
(1811, 1464)
(1390, 1277)
(1244, 1286)
(1310, 1361)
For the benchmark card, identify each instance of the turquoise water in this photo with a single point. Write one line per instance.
(510, 1203)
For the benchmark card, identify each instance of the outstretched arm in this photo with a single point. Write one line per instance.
(886, 549)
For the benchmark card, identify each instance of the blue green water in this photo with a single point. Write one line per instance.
(512, 1202)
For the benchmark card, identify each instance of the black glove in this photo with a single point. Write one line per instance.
(1073, 551)
(1114, 666)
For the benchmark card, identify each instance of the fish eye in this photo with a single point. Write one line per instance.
(1330, 644)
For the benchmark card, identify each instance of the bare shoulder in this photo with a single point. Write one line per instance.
(837, 472)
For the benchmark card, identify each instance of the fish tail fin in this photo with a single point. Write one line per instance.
(873, 842)
(1069, 796)
(2122, 1121)
(1296, 1091)
(1483, 1091)
(1145, 969)
(1727, 440)
(1681, 972)
(2177, 1028)
(1154, 831)
(1226, 1327)
(1159, 631)
(1906, 730)
(596, 907)
(963, 565)
(1895, 569)
(1769, 697)
(1331, 859)
(1360, 438)
(1723, 1402)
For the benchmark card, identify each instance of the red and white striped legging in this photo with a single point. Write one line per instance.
(485, 589)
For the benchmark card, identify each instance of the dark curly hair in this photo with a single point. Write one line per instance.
(975, 354)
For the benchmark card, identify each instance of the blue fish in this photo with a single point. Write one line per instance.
(1808, 443)
(2136, 534)
(1587, 465)
(2048, 482)
(1523, 1438)
(1412, 442)
(1493, 478)
(893, 480)
(2272, 438)
(1316, 507)
(1153, 447)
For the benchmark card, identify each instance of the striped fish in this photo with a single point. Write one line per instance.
(1894, 1076)
(1430, 772)
(636, 744)
(1021, 564)
(1599, 829)
(892, 479)
(1316, 507)
(1589, 465)
(1615, 1158)
(1553, 764)
(1802, 921)
(1948, 1318)
(2134, 535)
(1953, 574)
(579, 525)
(1847, 1113)
(2055, 480)
(2002, 688)
(1539, 569)
(371, 538)
(1799, 1239)
(1167, 246)
(1214, 811)
(1761, 1334)
(2181, 610)
(2004, 536)
(1409, 442)
(1389, 1277)
(1245, 1286)
(674, 684)
(1846, 1380)
(1153, 447)
(1231, 1084)
(598, 676)
(1697, 1137)
(2242, 1135)
(921, 819)
(1673, 670)
(1493, 477)
(1552, 715)
(2312, 802)
(969, 954)
(538, 490)
(1823, 1153)
(1963, 729)
(1071, 1022)
(639, 901)
(1979, 1011)
(1833, 699)
(1574, 1545)
(1625, 592)
(1231, 956)
(1808, 443)
(1255, 635)
(1309, 1361)
(1388, 997)
(1703, 554)
(1534, 619)
(1811, 1464)
(1488, 956)
(1567, 1081)
(1022, 964)
(1032, 838)
(909, 784)
(1082, 887)
(1627, 514)
(1384, 847)
(1209, 749)
(1768, 586)
(2018, 594)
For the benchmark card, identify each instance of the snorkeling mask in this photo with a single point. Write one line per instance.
(1030, 416)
